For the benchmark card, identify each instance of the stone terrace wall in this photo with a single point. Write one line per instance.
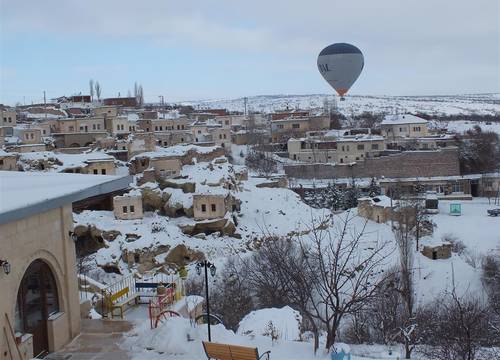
(442, 162)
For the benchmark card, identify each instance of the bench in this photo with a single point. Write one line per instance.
(215, 351)
(121, 299)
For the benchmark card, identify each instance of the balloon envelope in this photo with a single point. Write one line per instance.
(340, 64)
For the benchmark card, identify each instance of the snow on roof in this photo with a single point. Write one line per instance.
(360, 137)
(402, 119)
(176, 150)
(67, 160)
(26, 193)
(5, 153)
(381, 200)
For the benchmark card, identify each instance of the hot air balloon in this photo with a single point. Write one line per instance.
(340, 64)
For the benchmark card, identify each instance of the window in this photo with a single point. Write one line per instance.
(96, 172)
(457, 187)
(178, 127)
(214, 208)
(182, 127)
(374, 146)
(124, 209)
(361, 146)
(81, 128)
(98, 126)
(1, 162)
(26, 136)
(199, 131)
(280, 126)
(44, 132)
(227, 122)
(296, 126)
(347, 147)
(343, 148)
(103, 171)
(224, 135)
(203, 208)
(161, 128)
(156, 128)
(220, 136)
(10, 119)
(93, 126)
(132, 208)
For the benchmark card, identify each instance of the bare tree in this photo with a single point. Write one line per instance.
(98, 90)
(404, 236)
(91, 88)
(345, 271)
(457, 328)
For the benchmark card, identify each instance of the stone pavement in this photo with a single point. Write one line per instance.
(98, 340)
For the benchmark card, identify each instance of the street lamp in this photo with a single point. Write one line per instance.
(6, 266)
(208, 266)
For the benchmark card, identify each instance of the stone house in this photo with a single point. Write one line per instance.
(434, 252)
(354, 148)
(213, 206)
(106, 111)
(446, 187)
(379, 209)
(28, 135)
(174, 137)
(100, 167)
(8, 161)
(284, 128)
(38, 264)
(8, 117)
(406, 125)
(117, 125)
(166, 168)
(312, 150)
(128, 207)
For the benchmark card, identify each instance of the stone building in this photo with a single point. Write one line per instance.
(284, 128)
(353, 148)
(40, 300)
(435, 252)
(8, 117)
(128, 207)
(213, 206)
(28, 135)
(166, 168)
(403, 126)
(100, 167)
(379, 209)
(8, 161)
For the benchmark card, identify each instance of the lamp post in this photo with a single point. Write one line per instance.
(207, 266)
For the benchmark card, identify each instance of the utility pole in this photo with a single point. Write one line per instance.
(245, 100)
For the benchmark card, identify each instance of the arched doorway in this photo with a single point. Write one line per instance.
(37, 299)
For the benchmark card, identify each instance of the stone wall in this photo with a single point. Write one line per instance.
(442, 162)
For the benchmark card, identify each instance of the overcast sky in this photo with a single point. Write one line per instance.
(230, 48)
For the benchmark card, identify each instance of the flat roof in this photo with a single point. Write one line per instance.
(24, 194)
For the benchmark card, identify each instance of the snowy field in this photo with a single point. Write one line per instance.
(461, 126)
(484, 104)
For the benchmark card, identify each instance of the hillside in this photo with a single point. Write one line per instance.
(482, 104)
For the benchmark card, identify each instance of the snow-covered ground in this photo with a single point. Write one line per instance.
(461, 126)
(180, 339)
(484, 104)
